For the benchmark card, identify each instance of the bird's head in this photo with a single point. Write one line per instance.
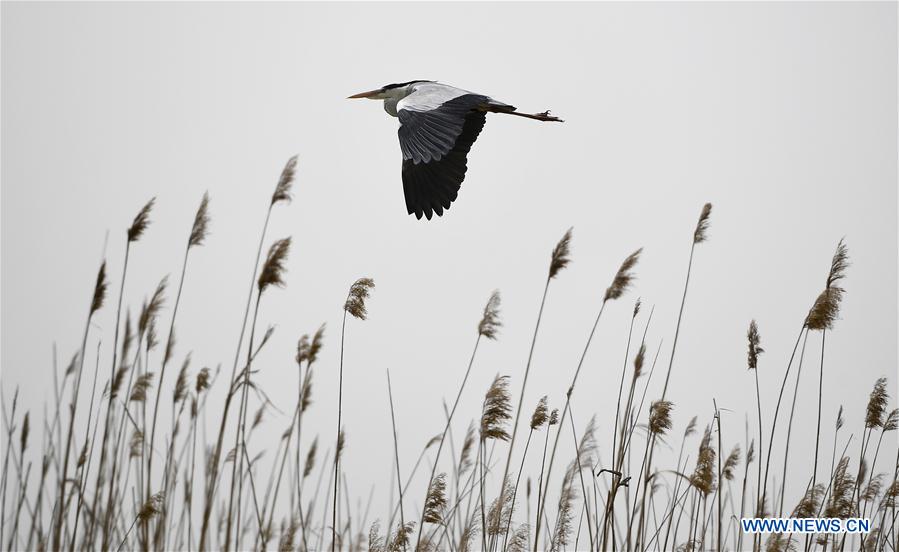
(389, 91)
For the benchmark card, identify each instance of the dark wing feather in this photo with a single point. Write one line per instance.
(435, 145)
(431, 187)
(427, 136)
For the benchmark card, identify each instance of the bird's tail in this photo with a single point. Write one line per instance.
(497, 107)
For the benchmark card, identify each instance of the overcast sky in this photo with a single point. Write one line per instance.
(783, 116)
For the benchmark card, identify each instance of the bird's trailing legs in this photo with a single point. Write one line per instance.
(509, 110)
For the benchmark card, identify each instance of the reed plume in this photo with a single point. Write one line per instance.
(355, 306)
(703, 478)
(141, 221)
(273, 270)
(821, 317)
(117, 373)
(435, 502)
(558, 260)
(565, 515)
(282, 193)
(754, 340)
(620, 283)
(660, 417)
(623, 278)
(702, 225)
(540, 415)
(359, 292)
(490, 322)
(561, 255)
(497, 410)
(97, 299)
(283, 190)
(200, 229)
(877, 403)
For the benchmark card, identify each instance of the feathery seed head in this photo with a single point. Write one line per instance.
(307, 350)
(341, 443)
(497, 410)
(359, 292)
(810, 502)
(691, 428)
(731, 463)
(23, 436)
(892, 420)
(624, 277)
(435, 502)
(141, 386)
(150, 310)
(285, 182)
(467, 446)
(490, 322)
(141, 221)
(200, 229)
(99, 289)
(755, 348)
(554, 417)
(638, 361)
(703, 478)
(202, 380)
(151, 507)
(838, 264)
(702, 226)
(560, 257)
(825, 310)
(841, 503)
(273, 270)
(310, 458)
(539, 417)
(181, 383)
(877, 403)
(660, 417)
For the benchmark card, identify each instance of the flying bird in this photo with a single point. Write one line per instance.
(438, 125)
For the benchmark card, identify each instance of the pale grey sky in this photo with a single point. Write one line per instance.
(781, 115)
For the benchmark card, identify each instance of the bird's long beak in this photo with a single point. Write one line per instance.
(369, 94)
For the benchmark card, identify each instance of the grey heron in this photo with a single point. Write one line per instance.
(438, 125)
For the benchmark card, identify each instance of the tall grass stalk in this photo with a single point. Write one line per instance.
(488, 328)
(558, 261)
(396, 453)
(281, 194)
(790, 423)
(700, 235)
(134, 232)
(97, 299)
(198, 233)
(355, 306)
(620, 284)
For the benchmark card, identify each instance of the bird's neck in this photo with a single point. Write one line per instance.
(394, 96)
(390, 105)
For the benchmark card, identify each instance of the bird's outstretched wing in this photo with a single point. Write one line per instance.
(435, 144)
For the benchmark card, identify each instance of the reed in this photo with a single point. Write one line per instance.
(620, 284)
(282, 194)
(488, 328)
(558, 260)
(355, 306)
(142, 496)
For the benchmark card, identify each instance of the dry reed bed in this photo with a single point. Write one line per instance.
(127, 482)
